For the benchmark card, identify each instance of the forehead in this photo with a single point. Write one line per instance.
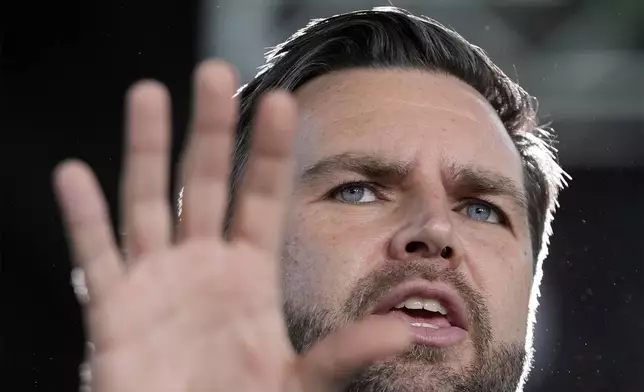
(411, 115)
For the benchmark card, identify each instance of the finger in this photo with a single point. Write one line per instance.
(332, 362)
(267, 182)
(146, 213)
(206, 164)
(87, 223)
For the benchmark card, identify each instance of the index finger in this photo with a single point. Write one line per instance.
(267, 182)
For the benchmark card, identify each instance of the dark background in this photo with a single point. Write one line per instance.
(64, 71)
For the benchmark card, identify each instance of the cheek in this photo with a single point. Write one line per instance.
(501, 269)
(301, 280)
(511, 305)
(319, 261)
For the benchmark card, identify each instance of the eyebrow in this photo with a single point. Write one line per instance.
(471, 179)
(462, 178)
(371, 166)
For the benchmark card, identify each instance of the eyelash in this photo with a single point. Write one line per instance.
(372, 186)
(377, 190)
(503, 218)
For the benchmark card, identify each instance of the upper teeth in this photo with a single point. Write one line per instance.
(422, 303)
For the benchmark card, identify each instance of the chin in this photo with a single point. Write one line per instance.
(451, 359)
(401, 375)
(452, 369)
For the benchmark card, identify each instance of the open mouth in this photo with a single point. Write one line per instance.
(435, 314)
(426, 313)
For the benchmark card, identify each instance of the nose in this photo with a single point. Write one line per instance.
(430, 236)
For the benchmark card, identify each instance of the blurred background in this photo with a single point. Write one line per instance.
(65, 66)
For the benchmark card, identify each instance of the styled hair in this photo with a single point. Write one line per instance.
(390, 37)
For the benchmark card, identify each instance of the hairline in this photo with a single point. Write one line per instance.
(294, 63)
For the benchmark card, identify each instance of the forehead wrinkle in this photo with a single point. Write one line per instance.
(326, 96)
(434, 107)
(340, 110)
(365, 111)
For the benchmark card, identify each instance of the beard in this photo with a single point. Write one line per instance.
(495, 367)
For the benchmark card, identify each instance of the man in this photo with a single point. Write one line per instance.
(384, 236)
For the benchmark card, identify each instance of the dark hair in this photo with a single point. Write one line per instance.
(390, 37)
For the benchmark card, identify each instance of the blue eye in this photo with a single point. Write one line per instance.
(483, 212)
(354, 193)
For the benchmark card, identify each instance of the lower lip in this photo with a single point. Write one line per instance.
(434, 337)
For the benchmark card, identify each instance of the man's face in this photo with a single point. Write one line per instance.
(431, 209)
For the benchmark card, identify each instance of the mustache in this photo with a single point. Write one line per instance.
(369, 289)
(495, 367)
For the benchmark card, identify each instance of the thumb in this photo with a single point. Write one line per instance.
(330, 363)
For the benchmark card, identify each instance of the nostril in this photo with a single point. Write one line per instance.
(447, 252)
(414, 246)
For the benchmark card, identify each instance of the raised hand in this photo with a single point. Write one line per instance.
(190, 311)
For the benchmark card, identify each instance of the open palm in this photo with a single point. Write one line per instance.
(187, 310)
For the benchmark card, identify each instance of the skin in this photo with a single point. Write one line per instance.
(186, 310)
(432, 122)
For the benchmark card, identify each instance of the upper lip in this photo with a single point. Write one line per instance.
(445, 294)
